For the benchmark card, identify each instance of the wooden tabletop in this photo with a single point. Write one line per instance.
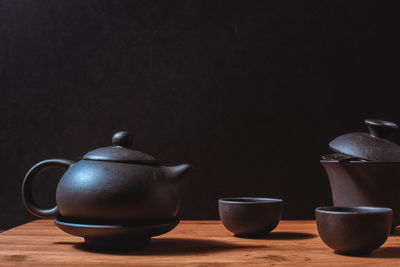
(293, 243)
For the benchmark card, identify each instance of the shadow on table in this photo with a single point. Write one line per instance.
(395, 232)
(385, 252)
(168, 246)
(280, 236)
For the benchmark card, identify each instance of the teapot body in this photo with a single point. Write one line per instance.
(113, 191)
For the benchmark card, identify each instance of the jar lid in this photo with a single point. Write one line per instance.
(121, 151)
(369, 146)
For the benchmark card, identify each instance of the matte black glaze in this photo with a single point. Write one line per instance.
(121, 151)
(110, 191)
(250, 216)
(353, 230)
(370, 146)
(365, 184)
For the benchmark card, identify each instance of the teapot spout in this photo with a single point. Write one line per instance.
(178, 176)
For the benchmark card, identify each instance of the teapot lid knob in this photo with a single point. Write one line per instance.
(122, 138)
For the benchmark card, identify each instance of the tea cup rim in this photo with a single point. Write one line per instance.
(353, 210)
(249, 200)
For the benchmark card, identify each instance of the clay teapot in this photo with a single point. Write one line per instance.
(112, 184)
(365, 171)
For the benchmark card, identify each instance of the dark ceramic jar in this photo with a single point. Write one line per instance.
(366, 169)
(114, 183)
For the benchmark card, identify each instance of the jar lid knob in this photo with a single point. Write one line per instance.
(122, 138)
(380, 128)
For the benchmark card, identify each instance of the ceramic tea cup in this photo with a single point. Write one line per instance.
(247, 216)
(353, 230)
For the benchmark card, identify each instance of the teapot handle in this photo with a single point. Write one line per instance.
(31, 176)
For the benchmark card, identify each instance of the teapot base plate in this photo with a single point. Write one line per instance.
(128, 235)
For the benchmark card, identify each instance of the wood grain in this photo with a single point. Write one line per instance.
(192, 243)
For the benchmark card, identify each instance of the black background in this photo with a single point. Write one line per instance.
(249, 92)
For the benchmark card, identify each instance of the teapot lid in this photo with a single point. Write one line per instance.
(121, 151)
(369, 146)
